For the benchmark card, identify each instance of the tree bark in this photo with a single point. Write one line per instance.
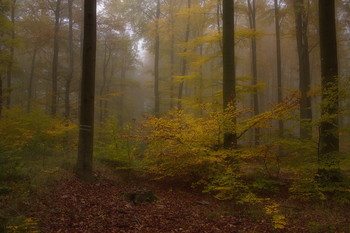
(106, 59)
(229, 76)
(252, 25)
(86, 130)
(329, 128)
(301, 23)
(279, 61)
(1, 96)
(71, 61)
(156, 64)
(31, 79)
(11, 61)
(55, 60)
(184, 60)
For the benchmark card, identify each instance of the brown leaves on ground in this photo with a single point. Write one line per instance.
(74, 206)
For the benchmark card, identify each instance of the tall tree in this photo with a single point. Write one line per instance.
(54, 75)
(184, 61)
(302, 22)
(252, 25)
(71, 60)
(329, 128)
(228, 55)
(31, 79)
(278, 58)
(156, 63)
(11, 60)
(86, 130)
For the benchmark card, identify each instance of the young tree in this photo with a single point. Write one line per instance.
(228, 55)
(329, 134)
(86, 130)
(156, 63)
(71, 60)
(11, 60)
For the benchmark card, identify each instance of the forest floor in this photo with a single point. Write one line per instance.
(70, 205)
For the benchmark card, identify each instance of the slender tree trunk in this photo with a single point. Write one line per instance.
(279, 61)
(31, 79)
(252, 25)
(172, 62)
(121, 98)
(184, 60)
(229, 76)
(71, 61)
(301, 22)
(156, 64)
(106, 59)
(55, 60)
(86, 130)
(329, 128)
(11, 61)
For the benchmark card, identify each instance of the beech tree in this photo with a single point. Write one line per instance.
(329, 128)
(228, 56)
(86, 129)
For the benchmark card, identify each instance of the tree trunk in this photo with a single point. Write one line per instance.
(71, 61)
(86, 130)
(156, 64)
(184, 60)
(31, 78)
(106, 59)
(252, 25)
(172, 61)
(329, 128)
(1, 96)
(229, 76)
(121, 98)
(279, 61)
(11, 61)
(301, 23)
(55, 60)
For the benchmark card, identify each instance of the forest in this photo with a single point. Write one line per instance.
(175, 116)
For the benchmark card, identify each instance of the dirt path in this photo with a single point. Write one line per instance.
(73, 206)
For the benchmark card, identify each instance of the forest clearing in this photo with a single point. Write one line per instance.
(174, 116)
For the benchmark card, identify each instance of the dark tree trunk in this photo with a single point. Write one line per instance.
(252, 25)
(1, 96)
(301, 23)
(156, 64)
(55, 59)
(11, 61)
(329, 129)
(184, 59)
(279, 61)
(86, 130)
(71, 61)
(229, 76)
(31, 79)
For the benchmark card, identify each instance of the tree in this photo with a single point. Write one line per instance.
(329, 134)
(156, 63)
(279, 59)
(11, 60)
(228, 56)
(55, 59)
(301, 23)
(71, 60)
(252, 25)
(86, 130)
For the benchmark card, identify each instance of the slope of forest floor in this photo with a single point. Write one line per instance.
(70, 205)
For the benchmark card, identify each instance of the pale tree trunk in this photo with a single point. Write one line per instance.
(156, 64)
(279, 60)
(31, 79)
(86, 130)
(106, 59)
(11, 61)
(229, 73)
(252, 25)
(184, 59)
(172, 61)
(55, 60)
